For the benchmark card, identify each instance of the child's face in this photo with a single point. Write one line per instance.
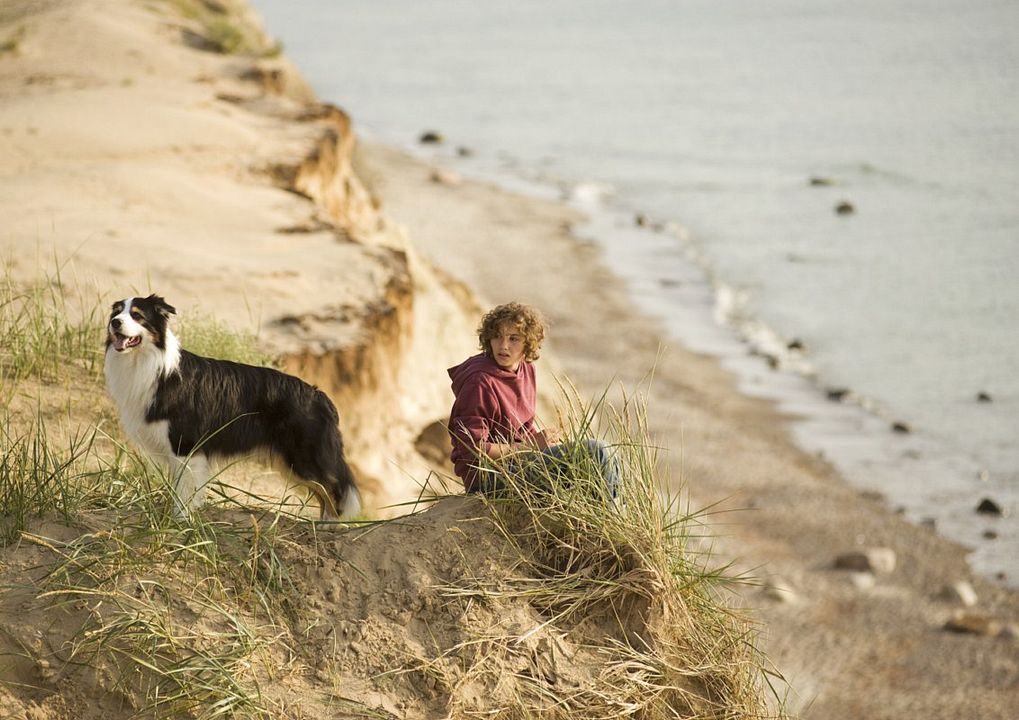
(508, 347)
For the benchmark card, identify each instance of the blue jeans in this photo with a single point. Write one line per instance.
(540, 466)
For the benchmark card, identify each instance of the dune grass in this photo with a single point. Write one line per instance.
(622, 579)
(225, 26)
(203, 334)
(43, 331)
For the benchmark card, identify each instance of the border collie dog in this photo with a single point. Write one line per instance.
(190, 411)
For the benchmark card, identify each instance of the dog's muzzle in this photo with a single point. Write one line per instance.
(122, 342)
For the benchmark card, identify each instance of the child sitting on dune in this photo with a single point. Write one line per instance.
(496, 396)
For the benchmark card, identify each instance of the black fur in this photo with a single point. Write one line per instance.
(223, 408)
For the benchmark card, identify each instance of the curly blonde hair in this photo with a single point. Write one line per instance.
(528, 321)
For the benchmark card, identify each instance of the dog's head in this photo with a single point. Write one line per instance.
(136, 321)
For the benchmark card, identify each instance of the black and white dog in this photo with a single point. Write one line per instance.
(189, 411)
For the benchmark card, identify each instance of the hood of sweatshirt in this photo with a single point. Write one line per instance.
(478, 364)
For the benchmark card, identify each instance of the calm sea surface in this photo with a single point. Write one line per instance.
(710, 118)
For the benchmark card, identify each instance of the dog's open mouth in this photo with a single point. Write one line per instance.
(122, 342)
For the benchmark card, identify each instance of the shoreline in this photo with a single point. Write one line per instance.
(845, 641)
(847, 431)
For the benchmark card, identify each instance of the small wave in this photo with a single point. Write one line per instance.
(732, 311)
(589, 195)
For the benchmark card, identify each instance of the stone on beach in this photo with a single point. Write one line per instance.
(862, 580)
(880, 561)
(973, 624)
(960, 592)
(780, 590)
(446, 177)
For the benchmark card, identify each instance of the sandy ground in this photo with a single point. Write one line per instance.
(170, 193)
(850, 648)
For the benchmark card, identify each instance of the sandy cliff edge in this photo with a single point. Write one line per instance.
(142, 159)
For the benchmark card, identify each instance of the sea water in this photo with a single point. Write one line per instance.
(710, 143)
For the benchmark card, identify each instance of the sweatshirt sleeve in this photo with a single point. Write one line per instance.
(472, 416)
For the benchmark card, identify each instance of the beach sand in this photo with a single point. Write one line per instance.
(175, 192)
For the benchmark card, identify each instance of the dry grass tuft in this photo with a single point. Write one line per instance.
(633, 623)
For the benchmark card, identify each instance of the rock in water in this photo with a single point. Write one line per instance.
(837, 394)
(989, 507)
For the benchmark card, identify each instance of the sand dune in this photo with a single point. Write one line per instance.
(142, 163)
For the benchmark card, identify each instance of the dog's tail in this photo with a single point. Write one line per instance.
(337, 493)
(346, 498)
(350, 506)
(340, 497)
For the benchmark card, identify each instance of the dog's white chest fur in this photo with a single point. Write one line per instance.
(132, 381)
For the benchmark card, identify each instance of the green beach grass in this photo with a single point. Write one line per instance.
(224, 26)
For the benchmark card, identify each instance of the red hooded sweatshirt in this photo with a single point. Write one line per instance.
(492, 405)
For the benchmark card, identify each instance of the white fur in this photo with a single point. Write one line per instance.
(351, 503)
(191, 476)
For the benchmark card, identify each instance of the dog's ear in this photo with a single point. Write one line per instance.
(162, 307)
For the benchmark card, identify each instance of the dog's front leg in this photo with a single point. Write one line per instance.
(189, 475)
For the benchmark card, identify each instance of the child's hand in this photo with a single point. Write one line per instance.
(547, 437)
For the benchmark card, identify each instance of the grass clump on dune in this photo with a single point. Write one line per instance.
(618, 587)
(205, 335)
(226, 26)
(43, 331)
